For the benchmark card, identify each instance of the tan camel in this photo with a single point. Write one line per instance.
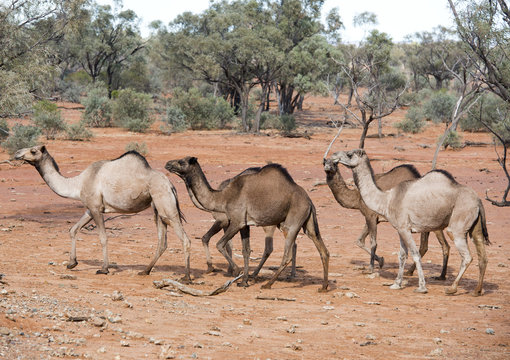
(351, 199)
(124, 185)
(221, 222)
(433, 202)
(269, 197)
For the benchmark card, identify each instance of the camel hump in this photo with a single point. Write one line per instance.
(133, 154)
(278, 169)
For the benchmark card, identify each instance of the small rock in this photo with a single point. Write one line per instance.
(370, 337)
(490, 307)
(324, 322)
(247, 322)
(328, 307)
(226, 344)
(436, 352)
(372, 303)
(292, 329)
(4, 292)
(502, 265)
(5, 331)
(366, 343)
(115, 319)
(281, 318)
(372, 275)
(117, 296)
(490, 331)
(213, 333)
(438, 340)
(97, 321)
(68, 277)
(198, 346)
(124, 343)
(360, 324)
(443, 331)
(166, 353)
(351, 295)
(101, 350)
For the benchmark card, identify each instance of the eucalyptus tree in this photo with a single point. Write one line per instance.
(484, 27)
(28, 29)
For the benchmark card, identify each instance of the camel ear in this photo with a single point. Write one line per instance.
(43, 149)
(193, 160)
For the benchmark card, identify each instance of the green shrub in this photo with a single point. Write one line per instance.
(413, 122)
(78, 132)
(4, 129)
(21, 136)
(453, 140)
(270, 121)
(203, 111)
(489, 109)
(288, 123)
(132, 110)
(439, 107)
(141, 148)
(175, 121)
(47, 118)
(98, 107)
(70, 90)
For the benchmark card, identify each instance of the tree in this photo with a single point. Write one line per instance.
(484, 27)
(27, 60)
(106, 41)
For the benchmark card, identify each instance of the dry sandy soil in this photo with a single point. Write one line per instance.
(42, 303)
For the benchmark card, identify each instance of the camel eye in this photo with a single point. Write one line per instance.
(33, 151)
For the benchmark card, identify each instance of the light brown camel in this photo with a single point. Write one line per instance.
(266, 198)
(433, 202)
(351, 199)
(124, 185)
(221, 222)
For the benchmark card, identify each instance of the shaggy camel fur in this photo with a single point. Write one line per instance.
(351, 199)
(433, 202)
(124, 185)
(221, 222)
(266, 198)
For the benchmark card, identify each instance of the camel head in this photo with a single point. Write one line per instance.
(351, 158)
(183, 166)
(330, 166)
(31, 155)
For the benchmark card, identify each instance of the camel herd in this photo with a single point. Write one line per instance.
(269, 197)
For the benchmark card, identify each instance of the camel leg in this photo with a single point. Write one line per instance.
(446, 254)
(268, 248)
(162, 242)
(312, 230)
(479, 242)
(99, 220)
(245, 238)
(424, 247)
(465, 255)
(85, 219)
(294, 254)
(215, 228)
(402, 257)
(370, 228)
(166, 207)
(286, 259)
(222, 246)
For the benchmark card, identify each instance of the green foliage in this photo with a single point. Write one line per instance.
(47, 118)
(288, 123)
(132, 110)
(439, 107)
(175, 121)
(98, 107)
(140, 148)
(488, 109)
(70, 91)
(453, 140)
(78, 132)
(270, 121)
(21, 136)
(4, 129)
(414, 121)
(203, 112)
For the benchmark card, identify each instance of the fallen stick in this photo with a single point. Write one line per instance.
(273, 298)
(194, 292)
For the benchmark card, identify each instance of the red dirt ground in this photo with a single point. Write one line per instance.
(39, 298)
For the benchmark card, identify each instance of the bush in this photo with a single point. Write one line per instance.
(288, 123)
(453, 140)
(4, 129)
(175, 121)
(270, 121)
(489, 109)
(203, 111)
(131, 110)
(98, 108)
(439, 107)
(413, 123)
(140, 148)
(78, 132)
(47, 118)
(21, 136)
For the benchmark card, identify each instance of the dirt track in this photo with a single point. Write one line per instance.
(359, 318)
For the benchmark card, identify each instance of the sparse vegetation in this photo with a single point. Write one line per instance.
(140, 148)
(132, 110)
(98, 109)
(78, 132)
(175, 121)
(47, 118)
(413, 122)
(21, 136)
(4, 129)
(453, 140)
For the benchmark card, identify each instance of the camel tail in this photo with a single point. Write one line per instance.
(313, 214)
(181, 215)
(483, 221)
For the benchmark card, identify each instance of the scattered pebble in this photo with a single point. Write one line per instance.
(328, 307)
(437, 340)
(124, 343)
(68, 277)
(117, 296)
(247, 322)
(490, 307)
(351, 295)
(97, 321)
(5, 331)
(436, 352)
(490, 331)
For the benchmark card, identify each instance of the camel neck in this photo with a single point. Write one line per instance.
(347, 198)
(202, 192)
(375, 199)
(62, 186)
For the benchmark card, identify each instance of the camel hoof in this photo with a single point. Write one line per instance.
(102, 272)
(72, 265)
(144, 272)
(210, 269)
(421, 290)
(476, 293)
(323, 289)
(409, 273)
(266, 286)
(243, 283)
(381, 262)
(396, 287)
(450, 291)
(370, 270)
(442, 278)
(185, 280)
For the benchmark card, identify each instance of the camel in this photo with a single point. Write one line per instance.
(269, 197)
(221, 222)
(125, 185)
(433, 202)
(351, 199)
